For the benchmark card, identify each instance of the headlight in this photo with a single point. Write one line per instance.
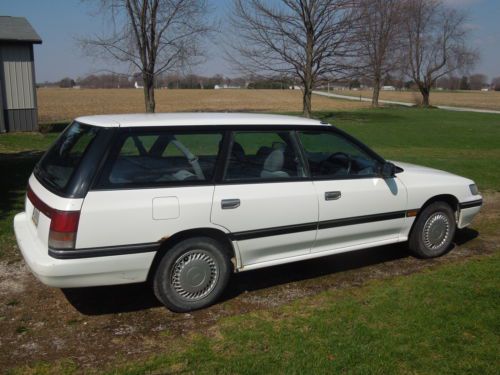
(473, 189)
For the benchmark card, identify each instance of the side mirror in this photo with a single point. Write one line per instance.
(388, 170)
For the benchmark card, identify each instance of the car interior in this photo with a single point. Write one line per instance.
(138, 164)
(273, 160)
(167, 158)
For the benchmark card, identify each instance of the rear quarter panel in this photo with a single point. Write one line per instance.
(136, 216)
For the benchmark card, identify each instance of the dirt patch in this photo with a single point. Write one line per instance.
(95, 327)
(13, 278)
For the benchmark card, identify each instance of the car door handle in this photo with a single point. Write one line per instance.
(332, 195)
(229, 204)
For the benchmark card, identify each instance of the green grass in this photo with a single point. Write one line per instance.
(443, 321)
(18, 154)
(21, 142)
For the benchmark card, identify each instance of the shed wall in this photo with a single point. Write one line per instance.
(17, 75)
(3, 128)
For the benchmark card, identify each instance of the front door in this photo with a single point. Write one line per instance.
(356, 206)
(265, 199)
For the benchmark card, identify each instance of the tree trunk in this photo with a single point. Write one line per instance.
(306, 100)
(425, 91)
(149, 92)
(308, 72)
(376, 92)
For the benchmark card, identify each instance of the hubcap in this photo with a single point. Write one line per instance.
(194, 275)
(436, 230)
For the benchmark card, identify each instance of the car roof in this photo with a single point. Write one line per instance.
(193, 119)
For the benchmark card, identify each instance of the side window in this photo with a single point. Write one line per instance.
(332, 156)
(270, 155)
(156, 159)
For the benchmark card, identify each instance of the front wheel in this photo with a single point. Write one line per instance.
(433, 231)
(192, 275)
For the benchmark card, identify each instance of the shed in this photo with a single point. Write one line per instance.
(18, 106)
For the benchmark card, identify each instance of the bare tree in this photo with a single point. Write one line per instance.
(436, 43)
(379, 38)
(478, 81)
(302, 40)
(495, 83)
(153, 36)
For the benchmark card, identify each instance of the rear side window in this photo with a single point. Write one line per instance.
(270, 155)
(156, 159)
(59, 164)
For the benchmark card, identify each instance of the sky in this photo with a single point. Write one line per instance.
(61, 22)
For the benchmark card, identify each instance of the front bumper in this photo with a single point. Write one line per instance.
(468, 210)
(73, 273)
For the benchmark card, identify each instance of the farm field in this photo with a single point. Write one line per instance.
(373, 311)
(65, 104)
(468, 99)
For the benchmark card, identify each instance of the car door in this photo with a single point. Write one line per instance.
(357, 207)
(155, 183)
(265, 199)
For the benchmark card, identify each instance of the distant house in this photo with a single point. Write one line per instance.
(388, 88)
(18, 106)
(222, 87)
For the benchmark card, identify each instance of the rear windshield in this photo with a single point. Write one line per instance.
(58, 165)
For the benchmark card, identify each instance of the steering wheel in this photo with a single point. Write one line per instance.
(334, 160)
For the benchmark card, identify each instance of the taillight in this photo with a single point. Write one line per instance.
(63, 228)
(63, 224)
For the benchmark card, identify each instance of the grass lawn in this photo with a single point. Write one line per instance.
(440, 322)
(18, 154)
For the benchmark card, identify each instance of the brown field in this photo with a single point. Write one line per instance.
(470, 99)
(56, 104)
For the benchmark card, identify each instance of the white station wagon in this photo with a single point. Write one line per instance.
(184, 200)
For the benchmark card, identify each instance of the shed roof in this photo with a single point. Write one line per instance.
(17, 29)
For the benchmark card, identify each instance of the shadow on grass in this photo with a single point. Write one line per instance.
(136, 297)
(465, 235)
(16, 169)
(362, 116)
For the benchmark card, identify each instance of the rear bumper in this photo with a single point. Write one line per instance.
(468, 210)
(73, 273)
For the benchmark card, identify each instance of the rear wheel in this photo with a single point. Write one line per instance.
(434, 230)
(192, 275)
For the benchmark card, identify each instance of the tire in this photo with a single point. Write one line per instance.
(192, 275)
(433, 231)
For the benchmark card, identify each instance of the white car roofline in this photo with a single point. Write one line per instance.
(193, 119)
